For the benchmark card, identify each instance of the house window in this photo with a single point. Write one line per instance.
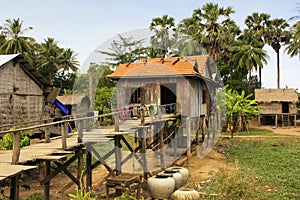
(203, 96)
(135, 95)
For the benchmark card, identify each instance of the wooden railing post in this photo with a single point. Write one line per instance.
(116, 119)
(64, 132)
(16, 147)
(142, 114)
(47, 134)
(80, 131)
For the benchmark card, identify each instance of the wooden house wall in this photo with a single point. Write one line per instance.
(186, 92)
(275, 108)
(20, 97)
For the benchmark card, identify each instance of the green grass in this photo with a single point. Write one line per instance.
(274, 163)
(252, 131)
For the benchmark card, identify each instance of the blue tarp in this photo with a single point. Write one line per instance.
(61, 106)
(65, 111)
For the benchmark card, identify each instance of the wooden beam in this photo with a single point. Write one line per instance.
(59, 169)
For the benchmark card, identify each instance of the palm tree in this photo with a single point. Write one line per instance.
(208, 26)
(162, 27)
(257, 23)
(276, 35)
(246, 54)
(293, 48)
(50, 58)
(15, 42)
(69, 60)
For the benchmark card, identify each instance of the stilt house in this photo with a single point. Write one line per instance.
(277, 106)
(183, 85)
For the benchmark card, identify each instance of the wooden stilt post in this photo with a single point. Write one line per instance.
(14, 189)
(161, 146)
(188, 141)
(144, 133)
(198, 136)
(47, 184)
(16, 147)
(80, 168)
(88, 171)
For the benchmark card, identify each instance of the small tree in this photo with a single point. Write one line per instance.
(240, 108)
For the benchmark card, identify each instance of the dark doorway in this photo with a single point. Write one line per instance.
(168, 96)
(285, 107)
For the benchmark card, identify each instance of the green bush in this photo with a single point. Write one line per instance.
(7, 141)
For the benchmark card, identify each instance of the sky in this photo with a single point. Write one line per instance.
(87, 25)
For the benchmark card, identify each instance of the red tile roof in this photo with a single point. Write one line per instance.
(156, 67)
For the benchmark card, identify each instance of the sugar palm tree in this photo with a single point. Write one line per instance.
(162, 27)
(16, 41)
(209, 23)
(276, 35)
(257, 22)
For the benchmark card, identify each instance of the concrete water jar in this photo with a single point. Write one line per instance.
(185, 194)
(183, 171)
(176, 176)
(161, 186)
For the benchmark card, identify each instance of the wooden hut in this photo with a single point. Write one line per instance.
(185, 82)
(76, 103)
(22, 90)
(277, 105)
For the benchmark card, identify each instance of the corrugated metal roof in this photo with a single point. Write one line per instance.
(6, 58)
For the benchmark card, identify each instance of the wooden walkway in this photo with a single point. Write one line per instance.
(148, 153)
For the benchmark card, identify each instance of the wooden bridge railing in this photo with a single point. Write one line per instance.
(64, 132)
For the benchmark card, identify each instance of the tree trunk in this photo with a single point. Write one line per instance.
(278, 69)
(259, 76)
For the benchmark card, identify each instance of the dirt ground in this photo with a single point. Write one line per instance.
(199, 170)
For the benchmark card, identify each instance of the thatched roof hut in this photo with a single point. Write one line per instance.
(76, 103)
(276, 95)
(278, 105)
(22, 90)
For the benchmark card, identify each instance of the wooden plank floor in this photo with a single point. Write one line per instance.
(39, 150)
(7, 170)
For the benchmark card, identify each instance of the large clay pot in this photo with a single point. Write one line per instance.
(183, 171)
(176, 176)
(185, 194)
(161, 186)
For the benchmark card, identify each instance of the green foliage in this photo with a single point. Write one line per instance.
(7, 141)
(124, 50)
(239, 109)
(125, 195)
(35, 196)
(81, 194)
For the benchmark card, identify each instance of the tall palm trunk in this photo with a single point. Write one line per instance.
(278, 69)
